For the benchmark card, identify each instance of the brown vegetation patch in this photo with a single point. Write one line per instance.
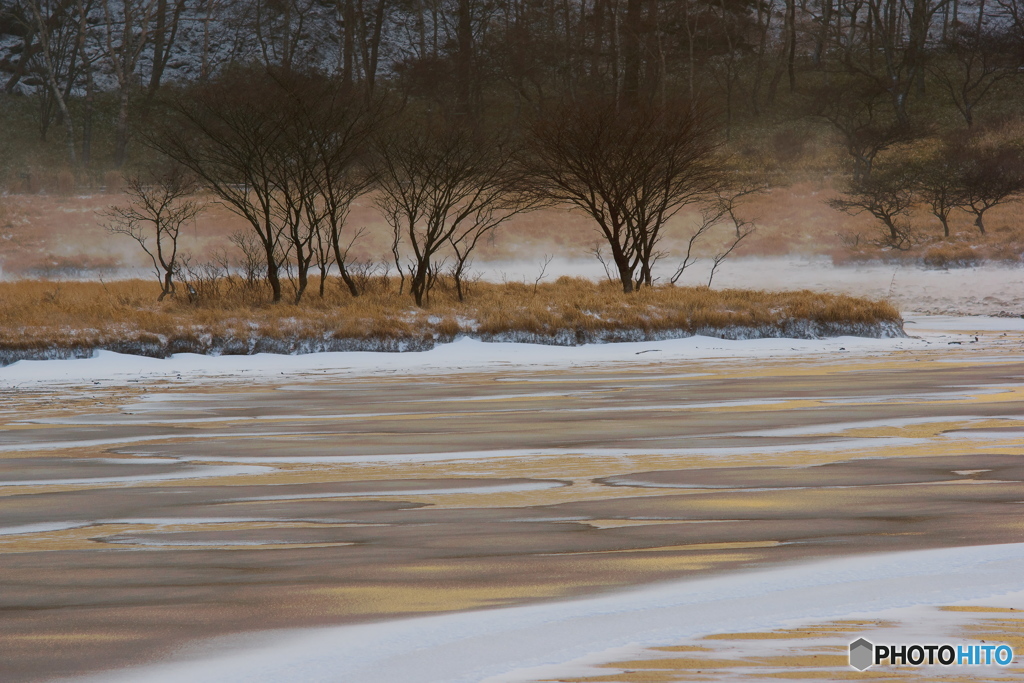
(58, 319)
(963, 249)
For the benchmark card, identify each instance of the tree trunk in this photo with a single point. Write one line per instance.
(893, 232)
(51, 81)
(631, 51)
(464, 57)
(457, 276)
(272, 272)
(791, 43)
(764, 20)
(339, 258)
(159, 35)
(121, 140)
(303, 283)
(24, 57)
(87, 112)
(204, 68)
(822, 38)
(346, 277)
(652, 75)
(349, 45)
(88, 102)
(597, 48)
(625, 272)
(418, 284)
(168, 286)
(371, 51)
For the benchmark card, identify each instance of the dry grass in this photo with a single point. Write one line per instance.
(964, 248)
(40, 316)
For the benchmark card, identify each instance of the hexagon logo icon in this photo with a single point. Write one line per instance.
(862, 654)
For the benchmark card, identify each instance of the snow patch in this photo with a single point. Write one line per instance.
(508, 645)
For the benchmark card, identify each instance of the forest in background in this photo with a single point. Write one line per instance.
(80, 77)
(909, 109)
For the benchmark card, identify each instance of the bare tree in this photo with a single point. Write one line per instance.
(710, 216)
(511, 197)
(127, 25)
(335, 127)
(713, 213)
(166, 22)
(441, 184)
(938, 180)
(992, 174)
(253, 263)
(974, 58)
(896, 52)
(292, 170)
(57, 30)
(631, 169)
(211, 9)
(371, 30)
(158, 206)
(545, 262)
(282, 29)
(226, 133)
(319, 169)
(728, 201)
(18, 20)
(888, 196)
(862, 116)
(89, 58)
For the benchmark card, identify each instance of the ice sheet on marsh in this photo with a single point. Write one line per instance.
(507, 645)
(508, 488)
(827, 444)
(202, 472)
(85, 443)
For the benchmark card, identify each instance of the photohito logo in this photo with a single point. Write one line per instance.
(864, 654)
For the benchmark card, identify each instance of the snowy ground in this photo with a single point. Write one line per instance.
(566, 639)
(468, 355)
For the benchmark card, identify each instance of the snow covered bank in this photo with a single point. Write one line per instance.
(463, 355)
(471, 355)
(232, 346)
(524, 643)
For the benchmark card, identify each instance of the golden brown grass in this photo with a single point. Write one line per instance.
(39, 315)
(965, 247)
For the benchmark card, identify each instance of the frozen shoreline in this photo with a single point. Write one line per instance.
(219, 346)
(560, 638)
(470, 355)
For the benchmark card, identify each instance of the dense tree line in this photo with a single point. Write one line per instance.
(499, 58)
(460, 114)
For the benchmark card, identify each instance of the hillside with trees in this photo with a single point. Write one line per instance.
(656, 121)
